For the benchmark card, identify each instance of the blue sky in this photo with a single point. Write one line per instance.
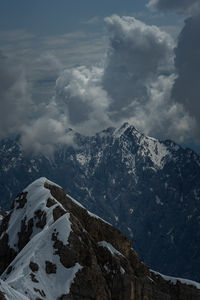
(52, 17)
(48, 16)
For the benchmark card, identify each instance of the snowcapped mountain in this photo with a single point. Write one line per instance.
(149, 189)
(52, 248)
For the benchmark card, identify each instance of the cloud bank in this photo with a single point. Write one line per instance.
(15, 99)
(136, 56)
(186, 88)
(135, 83)
(177, 6)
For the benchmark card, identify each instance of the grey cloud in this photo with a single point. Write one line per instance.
(79, 103)
(165, 118)
(91, 21)
(135, 58)
(177, 6)
(15, 100)
(63, 39)
(38, 131)
(50, 63)
(44, 134)
(15, 35)
(80, 96)
(186, 89)
(132, 85)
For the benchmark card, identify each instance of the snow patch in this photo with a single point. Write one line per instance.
(158, 201)
(110, 247)
(131, 210)
(116, 218)
(40, 247)
(37, 196)
(174, 280)
(10, 293)
(155, 150)
(81, 159)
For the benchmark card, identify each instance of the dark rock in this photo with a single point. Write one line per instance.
(25, 233)
(2, 297)
(41, 215)
(9, 270)
(42, 293)
(4, 223)
(67, 254)
(21, 200)
(50, 267)
(33, 278)
(58, 212)
(104, 275)
(7, 254)
(50, 202)
(33, 266)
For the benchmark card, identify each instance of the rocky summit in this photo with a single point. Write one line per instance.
(52, 248)
(147, 188)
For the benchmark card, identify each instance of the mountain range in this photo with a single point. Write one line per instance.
(147, 188)
(52, 248)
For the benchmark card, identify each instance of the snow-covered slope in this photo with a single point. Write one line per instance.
(52, 248)
(33, 212)
(8, 293)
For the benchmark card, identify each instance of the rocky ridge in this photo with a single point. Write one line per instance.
(52, 248)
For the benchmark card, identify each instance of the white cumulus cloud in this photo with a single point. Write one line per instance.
(133, 84)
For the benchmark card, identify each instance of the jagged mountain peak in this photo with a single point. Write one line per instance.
(120, 131)
(141, 146)
(127, 129)
(52, 248)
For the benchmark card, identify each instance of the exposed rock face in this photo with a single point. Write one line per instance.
(74, 254)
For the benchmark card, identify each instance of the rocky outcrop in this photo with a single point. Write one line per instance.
(91, 259)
